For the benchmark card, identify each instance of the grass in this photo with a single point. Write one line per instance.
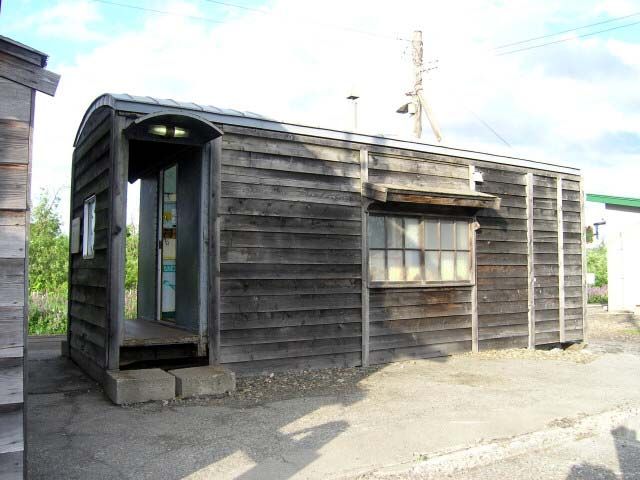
(632, 331)
(48, 312)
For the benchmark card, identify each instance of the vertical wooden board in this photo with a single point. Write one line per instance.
(13, 187)
(364, 176)
(15, 101)
(213, 296)
(117, 239)
(583, 241)
(530, 265)
(561, 292)
(15, 138)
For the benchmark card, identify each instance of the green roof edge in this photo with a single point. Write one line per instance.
(612, 200)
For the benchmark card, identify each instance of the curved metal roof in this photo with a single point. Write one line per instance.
(144, 105)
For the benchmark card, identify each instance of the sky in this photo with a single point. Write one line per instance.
(575, 102)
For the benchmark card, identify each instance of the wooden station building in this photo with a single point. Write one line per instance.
(267, 246)
(22, 74)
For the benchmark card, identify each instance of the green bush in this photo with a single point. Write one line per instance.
(597, 263)
(47, 313)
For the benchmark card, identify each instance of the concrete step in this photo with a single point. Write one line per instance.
(135, 386)
(206, 380)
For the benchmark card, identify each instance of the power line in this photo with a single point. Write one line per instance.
(265, 12)
(313, 22)
(159, 12)
(489, 127)
(568, 39)
(513, 44)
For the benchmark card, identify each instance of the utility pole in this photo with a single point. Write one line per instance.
(354, 101)
(418, 102)
(416, 48)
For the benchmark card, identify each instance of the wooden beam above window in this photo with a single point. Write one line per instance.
(430, 196)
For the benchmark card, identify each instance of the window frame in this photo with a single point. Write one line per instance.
(422, 249)
(89, 227)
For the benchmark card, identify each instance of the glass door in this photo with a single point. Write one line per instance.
(167, 243)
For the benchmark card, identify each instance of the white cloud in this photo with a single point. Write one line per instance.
(286, 68)
(69, 19)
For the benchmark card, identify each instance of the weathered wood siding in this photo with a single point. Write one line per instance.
(290, 253)
(501, 251)
(545, 260)
(16, 105)
(418, 323)
(573, 273)
(291, 263)
(88, 296)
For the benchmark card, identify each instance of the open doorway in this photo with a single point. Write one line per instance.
(170, 268)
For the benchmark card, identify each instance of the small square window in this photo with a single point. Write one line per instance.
(89, 227)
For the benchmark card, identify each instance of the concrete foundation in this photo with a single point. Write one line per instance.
(135, 386)
(208, 380)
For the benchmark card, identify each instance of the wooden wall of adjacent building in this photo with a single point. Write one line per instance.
(88, 328)
(16, 120)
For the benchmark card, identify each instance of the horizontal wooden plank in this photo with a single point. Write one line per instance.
(419, 166)
(12, 380)
(574, 335)
(96, 186)
(501, 343)
(544, 192)
(254, 223)
(490, 246)
(412, 180)
(96, 296)
(267, 271)
(11, 329)
(502, 175)
(336, 360)
(501, 283)
(513, 201)
(544, 226)
(262, 176)
(545, 247)
(14, 141)
(290, 164)
(280, 303)
(13, 187)
(493, 271)
(544, 314)
(88, 332)
(504, 213)
(547, 326)
(415, 325)
(12, 465)
(268, 351)
(501, 188)
(92, 314)
(27, 74)
(12, 241)
(570, 206)
(280, 256)
(544, 181)
(15, 101)
(425, 296)
(573, 280)
(571, 195)
(498, 319)
(545, 214)
(236, 321)
(291, 194)
(544, 259)
(12, 282)
(546, 292)
(281, 208)
(545, 203)
(287, 148)
(91, 277)
(290, 334)
(321, 241)
(402, 340)
(572, 227)
(288, 287)
(501, 235)
(419, 311)
(88, 350)
(497, 296)
(502, 307)
(502, 331)
(422, 351)
(545, 338)
(501, 259)
(12, 431)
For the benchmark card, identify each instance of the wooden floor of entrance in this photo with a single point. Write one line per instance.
(143, 333)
